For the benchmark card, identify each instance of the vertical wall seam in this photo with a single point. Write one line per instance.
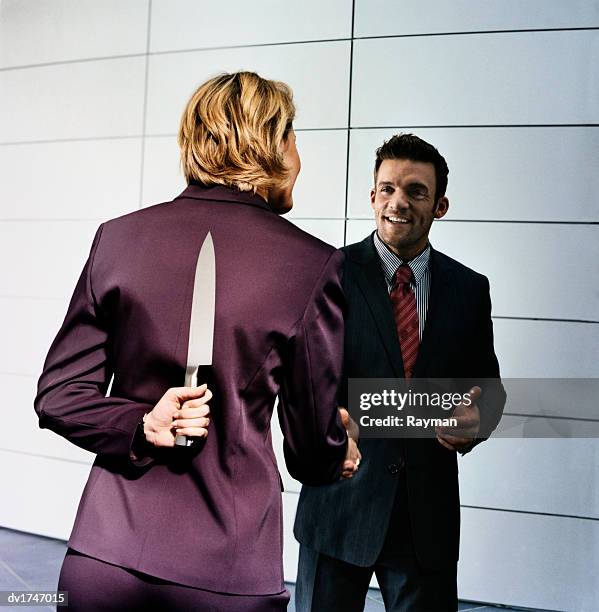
(145, 107)
(351, 67)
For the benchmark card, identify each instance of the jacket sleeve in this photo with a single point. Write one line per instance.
(315, 441)
(71, 395)
(484, 360)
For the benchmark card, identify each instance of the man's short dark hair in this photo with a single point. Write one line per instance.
(409, 146)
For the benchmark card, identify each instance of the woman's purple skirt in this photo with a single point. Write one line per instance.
(95, 586)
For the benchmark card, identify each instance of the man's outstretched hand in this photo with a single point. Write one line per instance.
(353, 456)
(459, 438)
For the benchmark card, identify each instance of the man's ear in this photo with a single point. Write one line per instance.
(372, 196)
(442, 207)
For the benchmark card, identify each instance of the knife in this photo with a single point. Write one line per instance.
(201, 325)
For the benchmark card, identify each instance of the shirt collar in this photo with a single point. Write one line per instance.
(390, 261)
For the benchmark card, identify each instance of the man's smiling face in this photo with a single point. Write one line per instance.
(403, 201)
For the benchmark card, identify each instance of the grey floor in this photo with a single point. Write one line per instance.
(30, 562)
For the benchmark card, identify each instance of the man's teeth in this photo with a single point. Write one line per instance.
(397, 220)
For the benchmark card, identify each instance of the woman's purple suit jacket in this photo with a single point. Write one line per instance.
(210, 519)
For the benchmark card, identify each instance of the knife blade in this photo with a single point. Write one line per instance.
(201, 324)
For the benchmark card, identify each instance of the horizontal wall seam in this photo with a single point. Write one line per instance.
(11, 143)
(74, 139)
(548, 416)
(515, 511)
(421, 127)
(546, 319)
(539, 222)
(299, 218)
(531, 512)
(473, 126)
(295, 129)
(102, 220)
(43, 456)
(529, 221)
(103, 58)
(288, 43)
(8, 296)
(475, 32)
(81, 60)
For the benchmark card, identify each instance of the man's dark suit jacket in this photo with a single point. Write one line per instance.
(348, 520)
(214, 519)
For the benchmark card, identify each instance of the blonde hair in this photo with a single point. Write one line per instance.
(231, 130)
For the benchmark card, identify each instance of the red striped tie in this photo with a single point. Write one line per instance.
(406, 317)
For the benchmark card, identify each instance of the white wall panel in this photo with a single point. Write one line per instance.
(70, 180)
(534, 475)
(163, 179)
(357, 230)
(389, 17)
(44, 493)
(547, 349)
(477, 79)
(27, 328)
(529, 276)
(320, 187)
(88, 99)
(529, 560)
(290, 544)
(33, 31)
(24, 434)
(52, 254)
(528, 273)
(318, 73)
(328, 231)
(289, 483)
(498, 173)
(187, 24)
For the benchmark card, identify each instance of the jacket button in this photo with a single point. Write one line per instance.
(393, 468)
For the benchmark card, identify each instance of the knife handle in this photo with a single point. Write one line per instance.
(183, 441)
(191, 380)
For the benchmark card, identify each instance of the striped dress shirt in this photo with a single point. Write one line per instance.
(420, 267)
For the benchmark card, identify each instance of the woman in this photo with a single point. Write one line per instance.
(200, 528)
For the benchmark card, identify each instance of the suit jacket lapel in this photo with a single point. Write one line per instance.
(370, 279)
(439, 311)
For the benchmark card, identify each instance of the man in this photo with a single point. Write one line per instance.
(415, 313)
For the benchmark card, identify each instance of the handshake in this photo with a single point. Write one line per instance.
(185, 411)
